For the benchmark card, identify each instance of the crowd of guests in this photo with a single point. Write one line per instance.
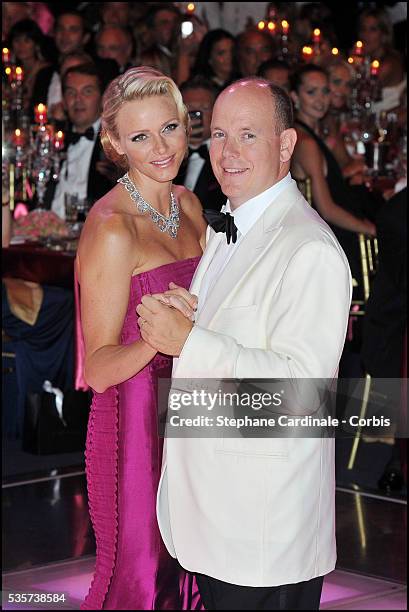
(70, 58)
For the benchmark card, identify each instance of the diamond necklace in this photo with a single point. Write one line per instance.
(165, 224)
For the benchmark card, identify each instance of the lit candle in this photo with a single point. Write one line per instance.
(18, 138)
(307, 52)
(9, 73)
(40, 113)
(335, 51)
(261, 25)
(191, 7)
(6, 55)
(350, 60)
(316, 35)
(375, 68)
(19, 74)
(271, 26)
(285, 26)
(59, 140)
(359, 47)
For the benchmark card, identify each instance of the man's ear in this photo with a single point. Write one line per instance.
(288, 138)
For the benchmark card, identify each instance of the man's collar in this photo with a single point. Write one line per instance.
(249, 212)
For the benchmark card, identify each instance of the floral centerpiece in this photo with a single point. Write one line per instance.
(40, 224)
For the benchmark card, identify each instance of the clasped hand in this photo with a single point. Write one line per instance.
(166, 319)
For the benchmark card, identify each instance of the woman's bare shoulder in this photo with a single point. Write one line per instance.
(188, 201)
(108, 225)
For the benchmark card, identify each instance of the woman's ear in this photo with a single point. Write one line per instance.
(116, 145)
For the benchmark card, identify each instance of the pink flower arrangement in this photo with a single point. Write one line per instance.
(40, 223)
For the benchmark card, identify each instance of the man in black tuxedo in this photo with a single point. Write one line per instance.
(85, 171)
(196, 172)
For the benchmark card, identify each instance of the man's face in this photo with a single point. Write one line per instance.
(114, 44)
(253, 50)
(116, 12)
(69, 34)
(246, 154)
(164, 25)
(82, 100)
(200, 99)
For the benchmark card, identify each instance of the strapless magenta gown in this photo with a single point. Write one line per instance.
(123, 462)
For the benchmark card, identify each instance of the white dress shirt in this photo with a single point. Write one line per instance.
(245, 216)
(194, 167)
(74, 171)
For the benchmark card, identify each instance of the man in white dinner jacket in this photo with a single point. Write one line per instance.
(254, 519)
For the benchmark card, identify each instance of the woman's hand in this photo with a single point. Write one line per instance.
(369, 228)
(180, 299)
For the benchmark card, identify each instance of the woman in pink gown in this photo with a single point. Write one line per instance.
(142, 235)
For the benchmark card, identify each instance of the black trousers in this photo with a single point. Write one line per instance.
(218, 595)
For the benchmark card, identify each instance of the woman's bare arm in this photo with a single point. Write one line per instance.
(106, 259)
(309, 157)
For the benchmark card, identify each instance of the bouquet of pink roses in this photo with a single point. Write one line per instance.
(40, 224)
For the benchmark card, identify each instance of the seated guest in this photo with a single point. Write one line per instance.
(56, 106)
(72, 36)
(340, 75)
(115, 42)
(163, 20)
(196, 172)
(215, 58)
(376, 32)
(27, 43)
(332, 196)
(85, 171)
(277, 71)
(253, 48)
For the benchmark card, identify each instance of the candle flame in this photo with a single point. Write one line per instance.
(60, 134)
(5, 50)
(271, 25)
(284, 23)
(190, 7)
(41, 108)
(17, 132)
(375, 64)
(359, 44)
(350, 60)
(8, 70)
(307, 50)
(335, 51)
(261, 25)
(19, 70)
(317, 32)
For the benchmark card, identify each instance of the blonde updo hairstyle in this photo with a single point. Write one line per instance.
(135, 84)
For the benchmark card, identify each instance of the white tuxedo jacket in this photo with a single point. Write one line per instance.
(260, 512)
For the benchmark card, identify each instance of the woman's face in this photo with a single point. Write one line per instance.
(340, 86)
(221, 57)
(24, 48)
(370, 34)
(314, 95)
(153, 137)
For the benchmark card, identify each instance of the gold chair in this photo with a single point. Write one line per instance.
(304, 185)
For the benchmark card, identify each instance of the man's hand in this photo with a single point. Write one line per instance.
(164, 328)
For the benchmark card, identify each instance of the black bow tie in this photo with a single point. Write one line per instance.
(221, 222)
(75, 137)
(203, 151)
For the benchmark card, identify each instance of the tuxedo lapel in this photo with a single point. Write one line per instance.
(213, 242)
(248, 253)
